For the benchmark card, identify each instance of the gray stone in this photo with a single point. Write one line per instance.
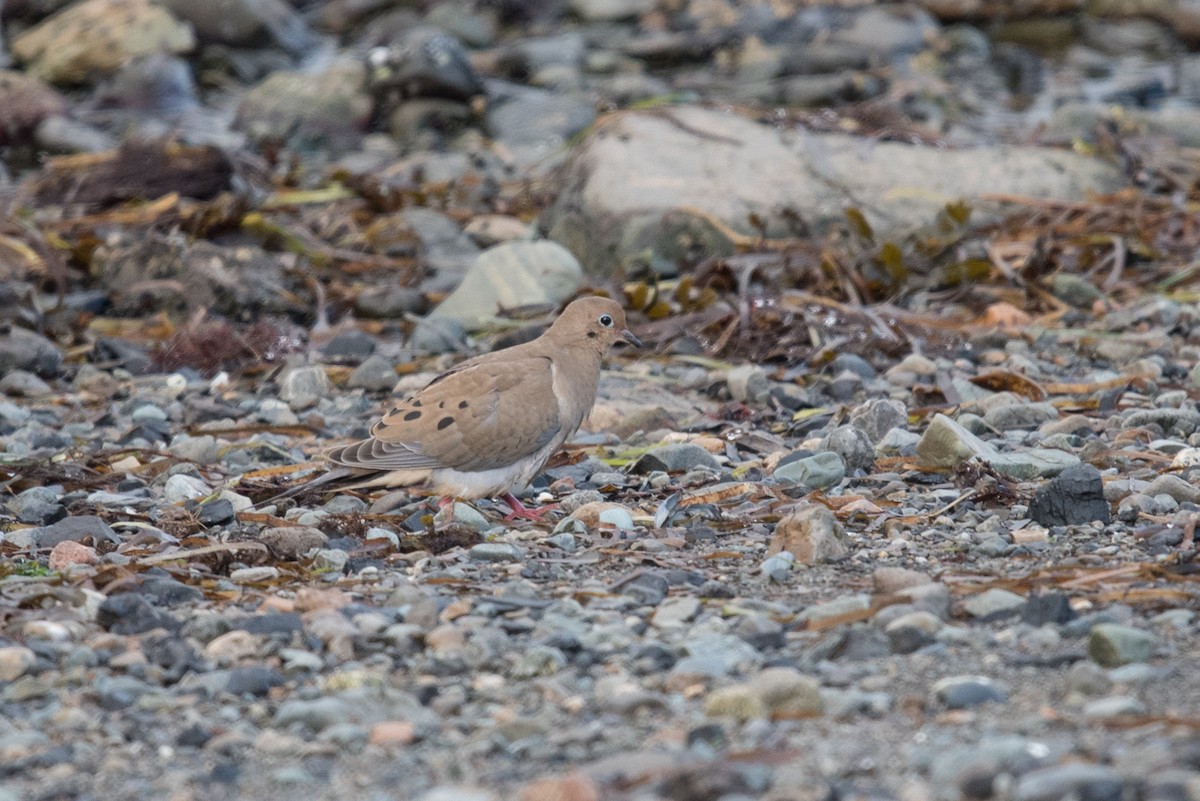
(748, 383)
(388, 302)
(680, 457)
(877, 417)
(675, 613)
(1087, 679)
(728, 652)
(438, 335)
(375, 374)
(1070, 780)
(1075, 290)
(1173, 422)
(179, 488)
(461, 514)
(778, 567)
(522, 116)
(1074, 496)
(511, 275)
(303, 386)
(37, 506)
(495, 552)
(25, 350)
(23, 384)
(75, 529)
(1113, 645)
(292, 542)
(201, 449)
(819, 471)
(993, 602)
(330, 560)
(1113, 706)
(853, 445)
(1020, 415)
(844, 605)
(1174, 486)
(1032, 463)
(611, 10)
(310, 111)
(963, 692)
(645, 165)
(947, 444)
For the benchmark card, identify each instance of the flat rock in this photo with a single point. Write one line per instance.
(674, 458)
(819, 471)
(25, 350)
(638, 168)
(993, 602)
(1113, 645)
(511, 275)
(96, 37)
(947, 444)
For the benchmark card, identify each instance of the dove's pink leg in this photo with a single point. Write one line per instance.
(519, 511)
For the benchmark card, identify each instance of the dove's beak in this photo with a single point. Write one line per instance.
(628, 336)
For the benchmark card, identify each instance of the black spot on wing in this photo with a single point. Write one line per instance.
(445, 422)
(412, 415)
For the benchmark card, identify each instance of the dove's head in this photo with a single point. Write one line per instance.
(592, 322)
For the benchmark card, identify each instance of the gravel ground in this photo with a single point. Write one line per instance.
(777, 590)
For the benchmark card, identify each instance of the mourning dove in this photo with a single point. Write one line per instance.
(489, 424)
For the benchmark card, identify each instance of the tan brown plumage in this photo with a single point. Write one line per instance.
(489, 424)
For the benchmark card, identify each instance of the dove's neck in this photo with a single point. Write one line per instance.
(576, 377)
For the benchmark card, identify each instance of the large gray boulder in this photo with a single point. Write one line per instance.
(646, 183)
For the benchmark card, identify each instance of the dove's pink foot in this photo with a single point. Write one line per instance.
(445, 501)
(520, 512)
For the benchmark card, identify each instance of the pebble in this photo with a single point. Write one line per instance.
(374, 374)
(495, 552)
(819, 471)
(1113, 645)
(675, 458)
(674, 613)
(964, 692)
(994, 603)
(15, 662)
(253, 575)
(1076, 779)
(811, 534)
(302, 387)
(179, 488)
(1113, 706)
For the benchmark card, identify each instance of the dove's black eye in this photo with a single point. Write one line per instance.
(606, 320)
